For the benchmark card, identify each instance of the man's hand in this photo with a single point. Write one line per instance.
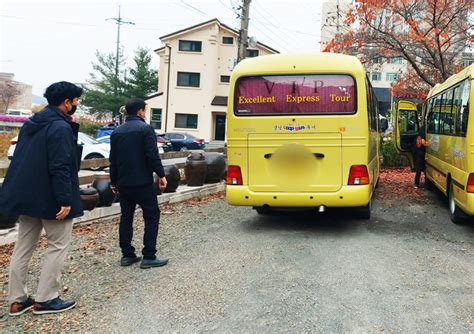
(163, 183)
(63, 212)
(114, 190)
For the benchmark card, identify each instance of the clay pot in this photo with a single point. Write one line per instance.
(7, 221)
(102, 184)
(195, 169)
(89, 198)
(173, 177)
(216, 167)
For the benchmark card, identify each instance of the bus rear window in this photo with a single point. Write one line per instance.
(295, 94)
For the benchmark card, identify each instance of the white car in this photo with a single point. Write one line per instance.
(91, 149)
(106, 140)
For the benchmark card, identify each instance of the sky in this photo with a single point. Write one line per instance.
(42, 42)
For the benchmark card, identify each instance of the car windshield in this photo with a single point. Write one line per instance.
(87, 139)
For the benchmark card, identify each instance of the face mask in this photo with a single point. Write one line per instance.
(73, 110)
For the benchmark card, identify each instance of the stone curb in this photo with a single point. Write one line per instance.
(183, 193)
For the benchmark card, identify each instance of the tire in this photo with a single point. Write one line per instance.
(456, 214)
(428, 184)
(263, 211)
(363, 212)
(183, 149)
(95, 156)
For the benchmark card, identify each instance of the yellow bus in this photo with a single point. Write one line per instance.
(450, 150)
(302, 132)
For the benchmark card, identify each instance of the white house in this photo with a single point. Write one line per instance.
(194, 73)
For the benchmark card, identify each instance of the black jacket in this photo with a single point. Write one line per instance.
(134, 154)
(42, 175)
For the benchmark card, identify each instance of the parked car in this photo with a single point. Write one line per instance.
(182, 141)
(161, 146)
(106, 130)
(91, 148)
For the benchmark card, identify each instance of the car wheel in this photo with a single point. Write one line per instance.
(363, 212)
(183, 149)
(457, 215)
(95, 156)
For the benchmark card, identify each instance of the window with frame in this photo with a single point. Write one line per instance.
(225, 78)
(376, 76)
(190, 46)
(448, 112)
(228, 40)
(396, 60)
(252, 53)
(391, 76)
(189, 79)
(155, 118)
(186, 121)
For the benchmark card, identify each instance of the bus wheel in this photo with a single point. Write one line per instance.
(457, 216)
(263, 210)
(363, 212)
(428, 184)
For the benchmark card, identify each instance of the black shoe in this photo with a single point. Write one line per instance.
(157, 262)
(55, 305)
(128, 261)
(20, 308)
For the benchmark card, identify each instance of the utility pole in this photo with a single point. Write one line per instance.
(118, 20)
(244, 30)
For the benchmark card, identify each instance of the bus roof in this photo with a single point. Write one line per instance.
(465, 73)
(300, 63)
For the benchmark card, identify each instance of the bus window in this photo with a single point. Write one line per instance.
(465, 107)
(295, 94)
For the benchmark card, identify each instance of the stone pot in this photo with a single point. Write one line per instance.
(173, 177)
(102, 184)
(89, 198)
(7, 221)
(195, 169)
(216, 167)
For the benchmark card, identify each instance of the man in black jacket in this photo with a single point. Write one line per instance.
(42, 186)
(133, 159)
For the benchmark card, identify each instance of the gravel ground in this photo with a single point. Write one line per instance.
(408, 269)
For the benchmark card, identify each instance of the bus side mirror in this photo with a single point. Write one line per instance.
(383, 124)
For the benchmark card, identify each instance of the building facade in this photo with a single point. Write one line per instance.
(194, 74)
(21, 103)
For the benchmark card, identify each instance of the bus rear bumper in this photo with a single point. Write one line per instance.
(347, 196)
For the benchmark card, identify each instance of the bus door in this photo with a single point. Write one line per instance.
(406, 129)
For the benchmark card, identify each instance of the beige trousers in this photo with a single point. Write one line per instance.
(58, 234)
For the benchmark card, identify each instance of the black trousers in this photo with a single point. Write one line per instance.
(420, 166)
(145, 196)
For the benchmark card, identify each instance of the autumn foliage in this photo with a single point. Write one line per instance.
(430, 35)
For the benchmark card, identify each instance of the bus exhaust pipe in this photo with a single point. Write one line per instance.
(322, 209)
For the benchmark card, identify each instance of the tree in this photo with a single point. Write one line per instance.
(99, 93)
(430, 35)
(8, 92)
(99, 96)
(143, 80)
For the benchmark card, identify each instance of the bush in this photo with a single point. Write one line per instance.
(89, 128)
(391, 157)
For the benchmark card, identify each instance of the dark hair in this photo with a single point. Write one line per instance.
(60, 91)
(133, 105)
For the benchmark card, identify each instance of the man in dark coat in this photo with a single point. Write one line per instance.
(133, 159)
(420, 152)
(42, 187)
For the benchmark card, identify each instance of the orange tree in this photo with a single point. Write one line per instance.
(430, 35)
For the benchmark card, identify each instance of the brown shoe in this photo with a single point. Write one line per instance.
(18, 308)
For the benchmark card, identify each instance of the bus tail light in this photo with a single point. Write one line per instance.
(470, 183)
(358, 175)
(234, 176)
